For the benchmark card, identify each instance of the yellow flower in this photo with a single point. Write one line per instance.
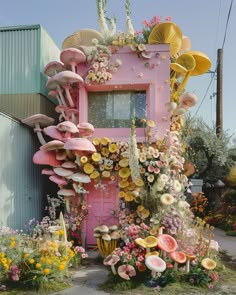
(105, 140)
(94, 175)
(61, 233)
(129, 197)
(61, 267)
(112, 147)
(46, 271)
(88, 168)
(26, 255)
(6, 266)
(121, 194)
(2, 254)
(124, 162)
(42, 259)
(105, 152)
(96, 141)
(106, 174)
(124, 172)
(4, 260)
(96, 157)
(38, 265)
(31, 261)
(83, 159)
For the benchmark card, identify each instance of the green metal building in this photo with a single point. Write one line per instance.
(24, 52)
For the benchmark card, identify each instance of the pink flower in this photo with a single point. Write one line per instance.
(126, 271)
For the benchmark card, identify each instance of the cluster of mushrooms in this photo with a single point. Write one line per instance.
(107, 238)
(161, 252)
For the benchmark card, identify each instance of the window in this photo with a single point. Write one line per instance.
(115, 109)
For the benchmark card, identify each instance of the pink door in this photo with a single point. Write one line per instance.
(103, 203)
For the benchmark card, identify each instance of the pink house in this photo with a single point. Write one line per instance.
(139, 84)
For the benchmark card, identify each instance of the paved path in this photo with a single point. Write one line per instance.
(87, 279)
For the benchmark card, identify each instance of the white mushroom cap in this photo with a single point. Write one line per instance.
(63, 171)
(52, 145)
(66, 192)
(155, 263)
(80, 177)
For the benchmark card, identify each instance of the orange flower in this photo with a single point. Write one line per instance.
(46, 271)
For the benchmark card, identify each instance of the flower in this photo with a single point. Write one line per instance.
(126, 271)
(177, 186)
(167, 199)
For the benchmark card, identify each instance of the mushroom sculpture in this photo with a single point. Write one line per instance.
(147, 243)
(53, 68)
(46, 158)
(66, 78)
(67, 194)
(155, 264)
(79, 146)
(178, 257)
(72, 57)
(54, 85)
(85, 129)
(38, 121)
(126, 271)
(167, 244)
(111, 260)
(68, 129)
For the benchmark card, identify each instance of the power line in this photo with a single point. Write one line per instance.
(214, 72)
(227, 22)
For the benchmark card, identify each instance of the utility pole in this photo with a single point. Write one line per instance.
(219, 102)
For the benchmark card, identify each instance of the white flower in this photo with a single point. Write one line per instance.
(177, 186)
(214, 245)
(183, 205)
(159, 186)
(167, 199)
(163, 178)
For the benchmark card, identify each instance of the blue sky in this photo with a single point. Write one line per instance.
(203, 21)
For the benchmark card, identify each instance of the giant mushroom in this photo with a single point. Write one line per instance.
(38, 121)
(72, 57)
(54, 85)
(79, 146)
(53, 68)
(155, 264)
(66, 78)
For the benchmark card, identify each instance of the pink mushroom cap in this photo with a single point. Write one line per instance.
(68, 77)
(71, 56)
(79, 144)
(53, 132)
(58, 180)
(40, 119)
(46, 158)
(167, 243)
(53, 145)
(53, 68)
(85, 129)
(67, 126)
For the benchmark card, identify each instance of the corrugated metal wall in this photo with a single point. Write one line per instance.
(22, 106)
(24, 53)
(20, 60)
(21, 183)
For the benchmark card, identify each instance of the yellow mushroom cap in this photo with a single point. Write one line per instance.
(208, 263)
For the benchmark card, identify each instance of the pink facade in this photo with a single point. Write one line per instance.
(136, 73)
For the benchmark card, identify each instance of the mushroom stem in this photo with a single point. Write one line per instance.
(73, 65)
(58, 99)
(188, 265)
(38, 130)
(175, 266)
(113, 269)
(71, 103)
(154, 274)
(61, 95)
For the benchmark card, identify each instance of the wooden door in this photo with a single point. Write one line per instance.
(103, 203)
